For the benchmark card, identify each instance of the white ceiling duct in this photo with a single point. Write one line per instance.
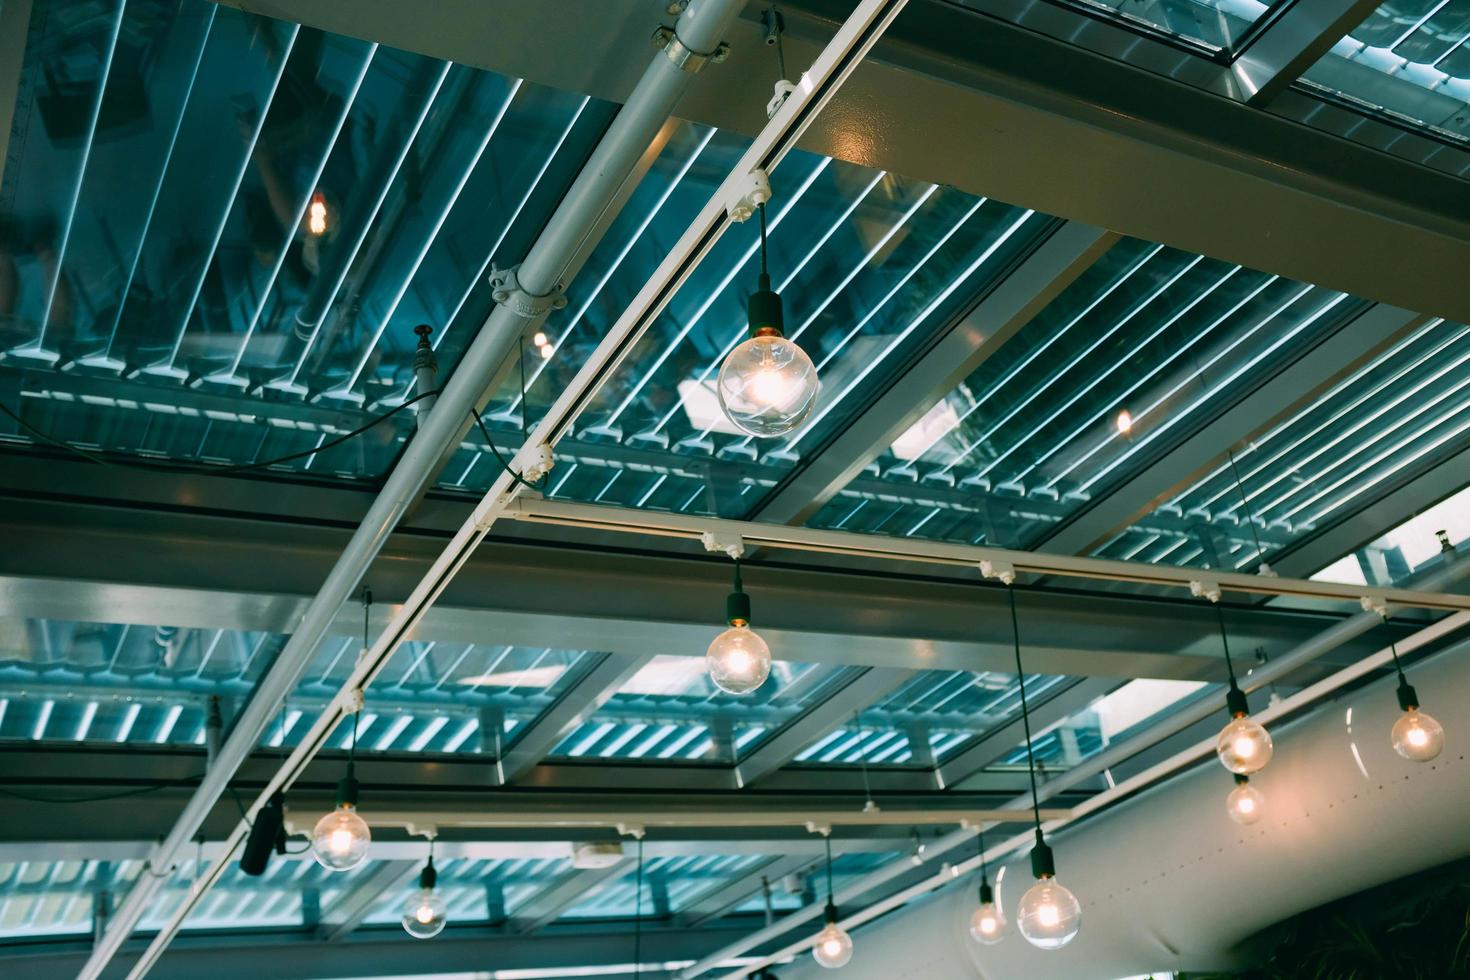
(1168, 882)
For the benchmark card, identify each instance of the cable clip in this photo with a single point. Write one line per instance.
(782, 93)
(506, 290)
(684, 57)
(536, 461)
(825, 829)
(753, 190)
(351, 701)
(633, 830)
(716, 541)
(1002, 570)
(1205, 588)
(1374, 604)
(425, 830)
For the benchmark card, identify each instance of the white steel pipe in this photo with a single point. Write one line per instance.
(851, 43)
(573, 228)
(1200, 751)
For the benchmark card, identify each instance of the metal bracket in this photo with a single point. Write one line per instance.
(730, 544)
(825, 829)
(539, 460)
(1206, 588)
(425, 830)
(684, 57)
(753, 191)
(1266, 571)
(633, 830)
(506, 290)
(778, 99)
(1002, 570)
(1374, 604)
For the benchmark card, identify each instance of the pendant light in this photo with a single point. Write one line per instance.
(1416, 736)
(1049, 915)
(738, 660)
(1245, 804)
(340, 840)
(1243, 745)
(834, 945)
(767, 385)
(988, 924)
(426, 913)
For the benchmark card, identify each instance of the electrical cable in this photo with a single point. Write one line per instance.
(102, 798)
(638, 917)
(1225, 642)
(1025, 714)
(496, 452)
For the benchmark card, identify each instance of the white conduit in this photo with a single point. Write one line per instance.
(1202, 750)
(853, 40)
(1324, 642)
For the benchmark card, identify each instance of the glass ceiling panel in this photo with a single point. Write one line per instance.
(1217, 24)
(1144, 345)
(1409, 549)
(670, 711)
(1400, 414)
(929, 718)
(1111, 718)
(218, 230)
(142, 685)
(870, 266)
(1408, 62)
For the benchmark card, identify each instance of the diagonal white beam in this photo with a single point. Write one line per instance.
(1290, 43)
(547, 905)
(358, 901)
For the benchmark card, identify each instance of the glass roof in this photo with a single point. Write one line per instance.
(1217, 24)
(1401, 413)
(670, 711)
(1145, 344)
(1407, 62)
(169, 294)
(928, 719)
(65, 681)
(1413, 547)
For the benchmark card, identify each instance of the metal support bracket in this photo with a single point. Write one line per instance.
(753, 191)
(684, 57)
(1374, 604)
(538, 462)
(1205, 587)
(730, 544)
(506, 290)
(1002, 570)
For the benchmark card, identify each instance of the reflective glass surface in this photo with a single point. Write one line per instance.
(1145, 344)
(870, 265)
(928, 719)
(1408, 62)
(1217, 24)
(217, 230)
(1403, 411)
(1111, 718)
(671, 711)
(1420, 543)
(141, 685)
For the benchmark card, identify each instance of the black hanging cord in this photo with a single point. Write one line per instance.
(516, 477)
(778, 29)
(739, 585)
(638, 918)
(762, 208)
(1246, 505)
(1225, 642)
(1025, 714)
(984, 871)
(831, 900)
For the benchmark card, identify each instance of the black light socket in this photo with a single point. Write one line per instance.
(267, 833)
(1241, 779)
(1043, 865)
(1408, 698)
(1235, 701)
(737, 609)
(831, 913)
(428, 877)
(348, 787)
(764, 309)
(987, 894)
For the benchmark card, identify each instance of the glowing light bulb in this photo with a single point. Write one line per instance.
(833, 948)
(1245, 804)
(1049, 915)
(739, 661)
(316, 214)
(768, 385)
(425, 914)
(1244, 746)
(1417, 737)
(340, 840)
(540, 339)
(1125, 422)
(546, 351)
(988, 924)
